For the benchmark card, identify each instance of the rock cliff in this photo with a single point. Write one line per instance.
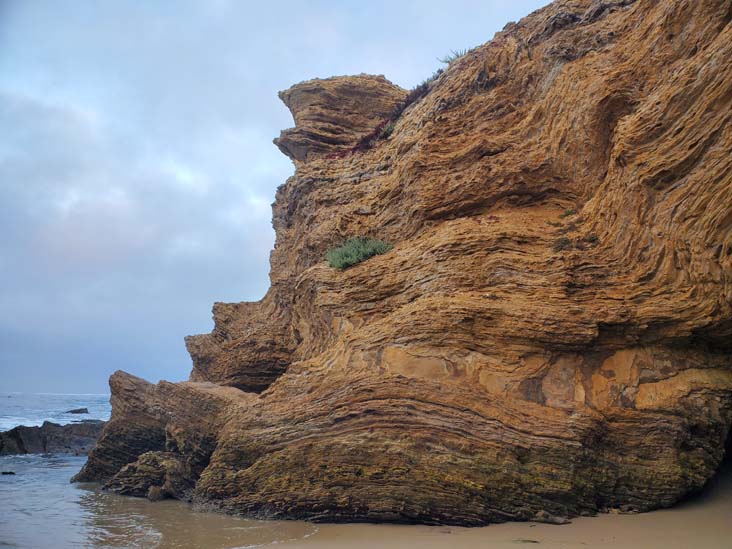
(551, 334)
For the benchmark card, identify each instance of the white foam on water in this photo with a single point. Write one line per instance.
(32, 409)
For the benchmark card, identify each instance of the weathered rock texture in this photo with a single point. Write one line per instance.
(551, 334)
(332, 115)
(51, 438)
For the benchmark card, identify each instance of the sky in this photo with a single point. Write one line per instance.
(137, 168)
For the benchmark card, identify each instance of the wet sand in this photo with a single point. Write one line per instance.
(41, 509)
(703, 522)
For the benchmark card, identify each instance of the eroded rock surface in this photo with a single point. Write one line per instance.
(551, 334)
(333, 114)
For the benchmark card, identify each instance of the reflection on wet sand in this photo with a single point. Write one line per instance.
(113, 521)
(40, 508)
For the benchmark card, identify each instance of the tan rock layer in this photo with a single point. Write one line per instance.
(551, 334)
(361, 102)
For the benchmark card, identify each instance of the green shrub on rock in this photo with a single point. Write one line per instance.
(355, 250)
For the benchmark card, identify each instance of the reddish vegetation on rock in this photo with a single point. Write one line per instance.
(551, 334)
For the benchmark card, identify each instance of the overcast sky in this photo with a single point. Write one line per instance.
(137, 167)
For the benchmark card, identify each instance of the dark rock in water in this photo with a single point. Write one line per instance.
(8, 473)
(78, 411)
(51, 438)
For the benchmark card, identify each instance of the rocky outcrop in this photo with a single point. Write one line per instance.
(156, 475)
(333, 114)
(51, 438)
(551, 334)
(182, 418)
(249, 348)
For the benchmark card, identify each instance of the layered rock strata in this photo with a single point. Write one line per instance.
(551, 334)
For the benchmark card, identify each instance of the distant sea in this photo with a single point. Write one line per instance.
(40, 508)
(34, 408)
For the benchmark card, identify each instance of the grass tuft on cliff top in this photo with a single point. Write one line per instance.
(355, 250)
(454, 55)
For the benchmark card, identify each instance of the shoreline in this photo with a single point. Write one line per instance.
(701, 521)
(82, 512)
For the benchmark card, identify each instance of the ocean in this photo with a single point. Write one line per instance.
(35, 408)
(40, 508)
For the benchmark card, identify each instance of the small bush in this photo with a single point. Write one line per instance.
(430, 79)
(414, 95)
(454, 55)
(387, 130)
(562, 244)
(355, 250)
(567, 213)
(592, 238)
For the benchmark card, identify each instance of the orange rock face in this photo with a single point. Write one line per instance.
(331, 115)
(551, 334)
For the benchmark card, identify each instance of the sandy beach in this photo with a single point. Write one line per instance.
(703, 522)
(44, 510)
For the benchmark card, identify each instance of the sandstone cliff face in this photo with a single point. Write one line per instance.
(332, 115)
(551, 334)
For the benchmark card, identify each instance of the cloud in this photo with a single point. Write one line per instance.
(136, 163)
